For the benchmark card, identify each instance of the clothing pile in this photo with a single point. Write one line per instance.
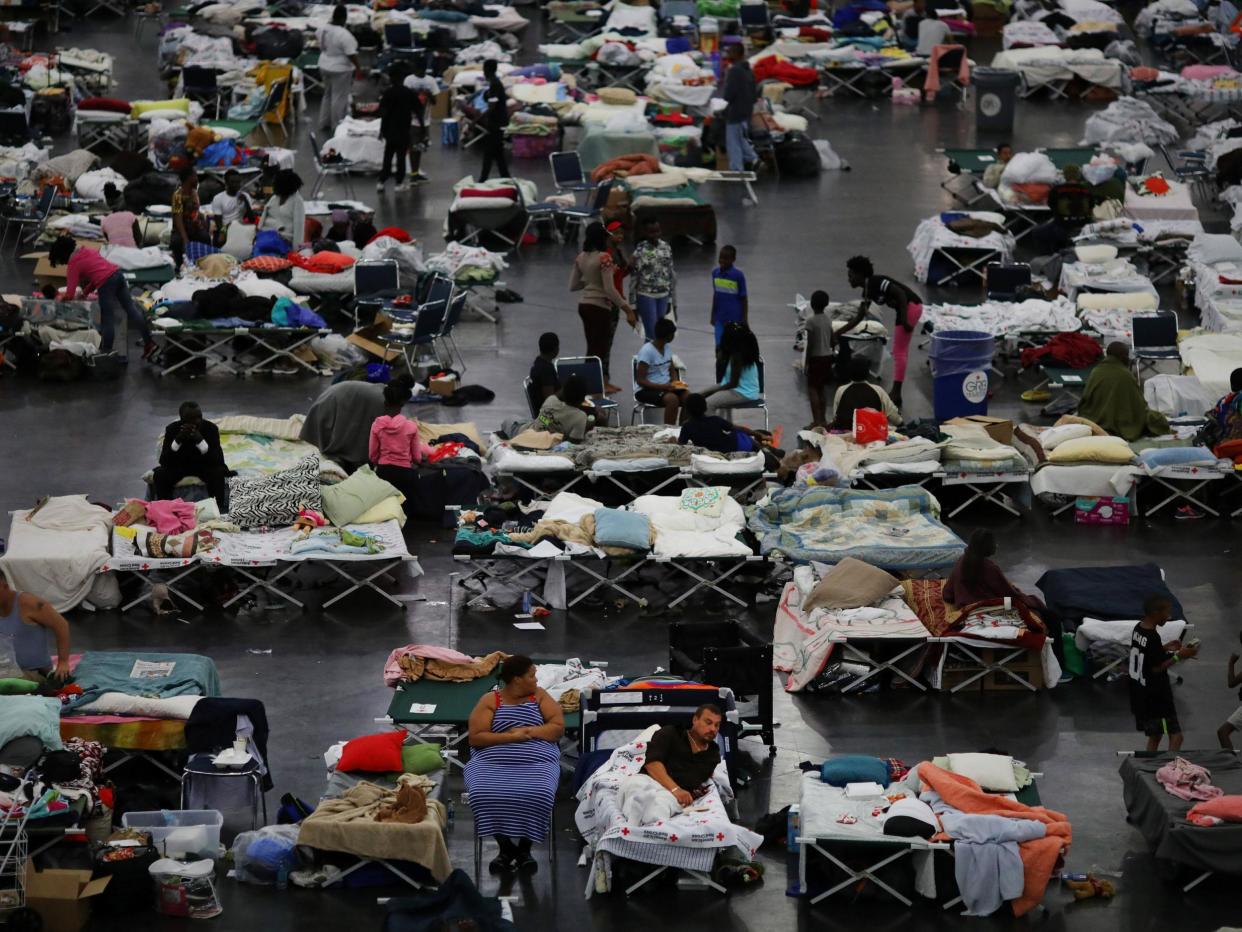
(428, 661)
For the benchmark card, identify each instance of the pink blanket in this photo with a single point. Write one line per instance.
(1187, 781)
(171, 517)
(932, 84)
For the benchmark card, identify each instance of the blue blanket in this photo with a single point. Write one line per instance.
(143, 674)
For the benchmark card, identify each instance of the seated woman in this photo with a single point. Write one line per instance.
(740, 382)
(1113, 398)
(565, 412)
(339, 422)
(395, 447)
(515, 764)
(1226, 417)
(860, 393)
(654, 375)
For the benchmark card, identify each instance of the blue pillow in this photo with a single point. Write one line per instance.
(854, 768)
(615, 528)
(1176, 456)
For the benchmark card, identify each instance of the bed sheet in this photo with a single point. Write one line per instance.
(932, 235)
(141, 673)
(1001, 318)
(1105, 592)
(1040, 66)
(257, 548)
(253, 455)
(125, 732)
(823, 804)
(1119, 275)
(895, 529)
(306, 282)
(1118, 632)
(1086, 480)
(702, 465)
(1176, 205)
(58, 559)
(508, 460)
(1212, 357)
(1028, 32)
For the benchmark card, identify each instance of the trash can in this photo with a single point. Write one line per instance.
(960, 363)
(996, 96)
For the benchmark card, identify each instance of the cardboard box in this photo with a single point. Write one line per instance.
(365, 338)
(62, 898)
(45, 273)
(441, 105)
(445, 385)
(998, 428)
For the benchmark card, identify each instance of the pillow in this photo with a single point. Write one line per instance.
(400, 235)
(510, 192)
(153, 115)
(420, 758)
(617, 96)
(16, 686)
(851, 584)
(276, 499)
(854, 768)
(107, 104)
(1225, 808)
(359, 492)
(1096, 429)
(910, 818)
(179, 107)
(616, 528)
(266, 263)
(993, 772)
(1177, 456)
(1118, 300)
(326, 262)
(1092, 450)
(373, 754)
(708, 501)
(217, 265)
(1211, 248)
(388, 510)
(1229, 450)
(239, 240)
(1053, 437)
(1097, 253)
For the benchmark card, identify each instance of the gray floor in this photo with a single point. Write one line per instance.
(321, 681)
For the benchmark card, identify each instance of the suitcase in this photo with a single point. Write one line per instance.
(1006, 282)
(797, 157)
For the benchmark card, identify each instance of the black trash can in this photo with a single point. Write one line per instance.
(996, 96)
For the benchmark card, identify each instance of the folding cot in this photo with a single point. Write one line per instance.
(96, 129)
(1202, 850)
(215, 347)
(867, 75)
(944, 258)
(986, 485)
(614, 725)
(573, 20)
(1161, 244)
(1054, 69)
(1181, 484)
(968, 165)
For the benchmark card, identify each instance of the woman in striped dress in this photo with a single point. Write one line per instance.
(515, 764)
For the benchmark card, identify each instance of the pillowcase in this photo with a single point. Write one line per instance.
(1118, 300)
(851, 584)
(359, 492)
(388, 510)
(854, 768)
(106, 104)
(1211, 248)
(508, 193)
(239, 240)
(266, 263)
(1094, 254)
(179, 107)
(328, 263)
(373, 754)
(420, 758)
(708, 501)
(910, 818)
(1096, 429)
(993, 772)
(1053, 437)
(1092, 450)
(400, 235)
(275, 500)
(617, 96)
(1177, 456)
(616, 528)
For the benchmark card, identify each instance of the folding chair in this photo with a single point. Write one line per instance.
(567, 173)
(342, 169)
(35, 215)
(532, 403)
(376, 276)
(753, 16)
(446, 345)
(639, 412)
(591, 371)
(398, 35)
(581, 216)
(427, 324)
(759, 404)
(551, 843)
(201, 84)
(1155, 340)
(685, 10)
(1191, 168)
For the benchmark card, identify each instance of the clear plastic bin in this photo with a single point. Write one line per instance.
(180, 832)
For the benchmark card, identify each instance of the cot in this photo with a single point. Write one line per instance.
(866, 73)
(98, 129)
(1161, 817)
(1110, 276)
(986, 483)
(944, 258)
(896, 529)
(1176, 204)
(1017, 321)
(1054, 69)
(968, 165)
(619, 721)
(274, 348)
(1104, 592)
(56, 549)
(1161, 244)
(1211, 357)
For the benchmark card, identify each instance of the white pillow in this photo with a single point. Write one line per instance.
(566, 506)
(993, 772)
(263, 288)
(170, 707)
(1118, 300)
(1095, 254)
(1211, 248)
(1053, 437)
(149, 115)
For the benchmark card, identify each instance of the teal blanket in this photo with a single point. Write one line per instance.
(38, 716)
(140, 674)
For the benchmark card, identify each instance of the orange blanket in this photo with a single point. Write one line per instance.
(1039, 856)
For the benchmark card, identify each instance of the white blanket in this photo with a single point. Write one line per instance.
(1002, 317)
(57, 553)
(1212, 357)
(681, 533)
(931, 236)
(1118, 632)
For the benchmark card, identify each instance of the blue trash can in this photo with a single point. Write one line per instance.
(960, 362)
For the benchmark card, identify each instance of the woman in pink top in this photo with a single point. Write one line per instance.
(91, 272)
(395, 448)
(120, 228)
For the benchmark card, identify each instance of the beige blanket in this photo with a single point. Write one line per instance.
(348, 824)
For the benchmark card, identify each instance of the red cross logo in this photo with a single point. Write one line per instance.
(625, 831)
(720, 836)
(672, 837)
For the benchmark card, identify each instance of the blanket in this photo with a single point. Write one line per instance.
(1039, 855)
(349, 824)
(142, 674)
(1113, 399)
(56, 550)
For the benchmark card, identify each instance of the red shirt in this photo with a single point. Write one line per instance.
(88, 269)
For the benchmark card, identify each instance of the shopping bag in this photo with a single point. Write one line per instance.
(869, 425)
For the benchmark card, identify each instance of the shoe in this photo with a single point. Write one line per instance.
(501, 864)
(1037, 395)
(419, 178)
(401, 188)
(379, 186)
(1188, 513)
(1065, 678)
(526, 864)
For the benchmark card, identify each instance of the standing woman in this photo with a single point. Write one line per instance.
(515, 764)
(338, 62)
(904, 301)
(187, 217)
(593, 274)
(285, 211)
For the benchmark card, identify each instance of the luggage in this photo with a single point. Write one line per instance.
(797, 157)
(270, 44)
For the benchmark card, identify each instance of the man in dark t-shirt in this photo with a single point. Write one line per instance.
(1151, 694)
(682, 759)
(544, 380)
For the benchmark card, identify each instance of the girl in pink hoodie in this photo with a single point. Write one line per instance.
(395, 449)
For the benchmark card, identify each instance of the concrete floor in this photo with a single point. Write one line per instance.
(321, 682)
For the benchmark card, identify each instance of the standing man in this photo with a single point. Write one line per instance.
(426, 88)
(495, 119)
(26, 620)
(655, 281)
(192, 448)
(1151, 694)
(338, 60)
(739, 93)
(396, 110)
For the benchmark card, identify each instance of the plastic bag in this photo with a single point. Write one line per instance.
(870, 425)
(259, 856)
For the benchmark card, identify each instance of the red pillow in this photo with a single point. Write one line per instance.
(267, 264)
(373, 754)
(329, 262)
(510, 193)
(1229, 450)
(395, 232)
(110, 104)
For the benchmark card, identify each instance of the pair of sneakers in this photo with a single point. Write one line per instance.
(411, 180)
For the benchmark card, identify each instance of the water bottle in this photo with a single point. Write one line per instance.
(282, 876)
(526, 603)
(452, 814)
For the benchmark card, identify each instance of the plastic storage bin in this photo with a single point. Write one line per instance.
(960, 362)
(180, 832)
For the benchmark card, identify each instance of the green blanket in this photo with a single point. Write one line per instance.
(1114, 400)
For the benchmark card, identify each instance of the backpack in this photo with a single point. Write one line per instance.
(271, 44)
(797, 156)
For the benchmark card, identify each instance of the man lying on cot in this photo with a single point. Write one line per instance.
(1113, 398)
(25, 621)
